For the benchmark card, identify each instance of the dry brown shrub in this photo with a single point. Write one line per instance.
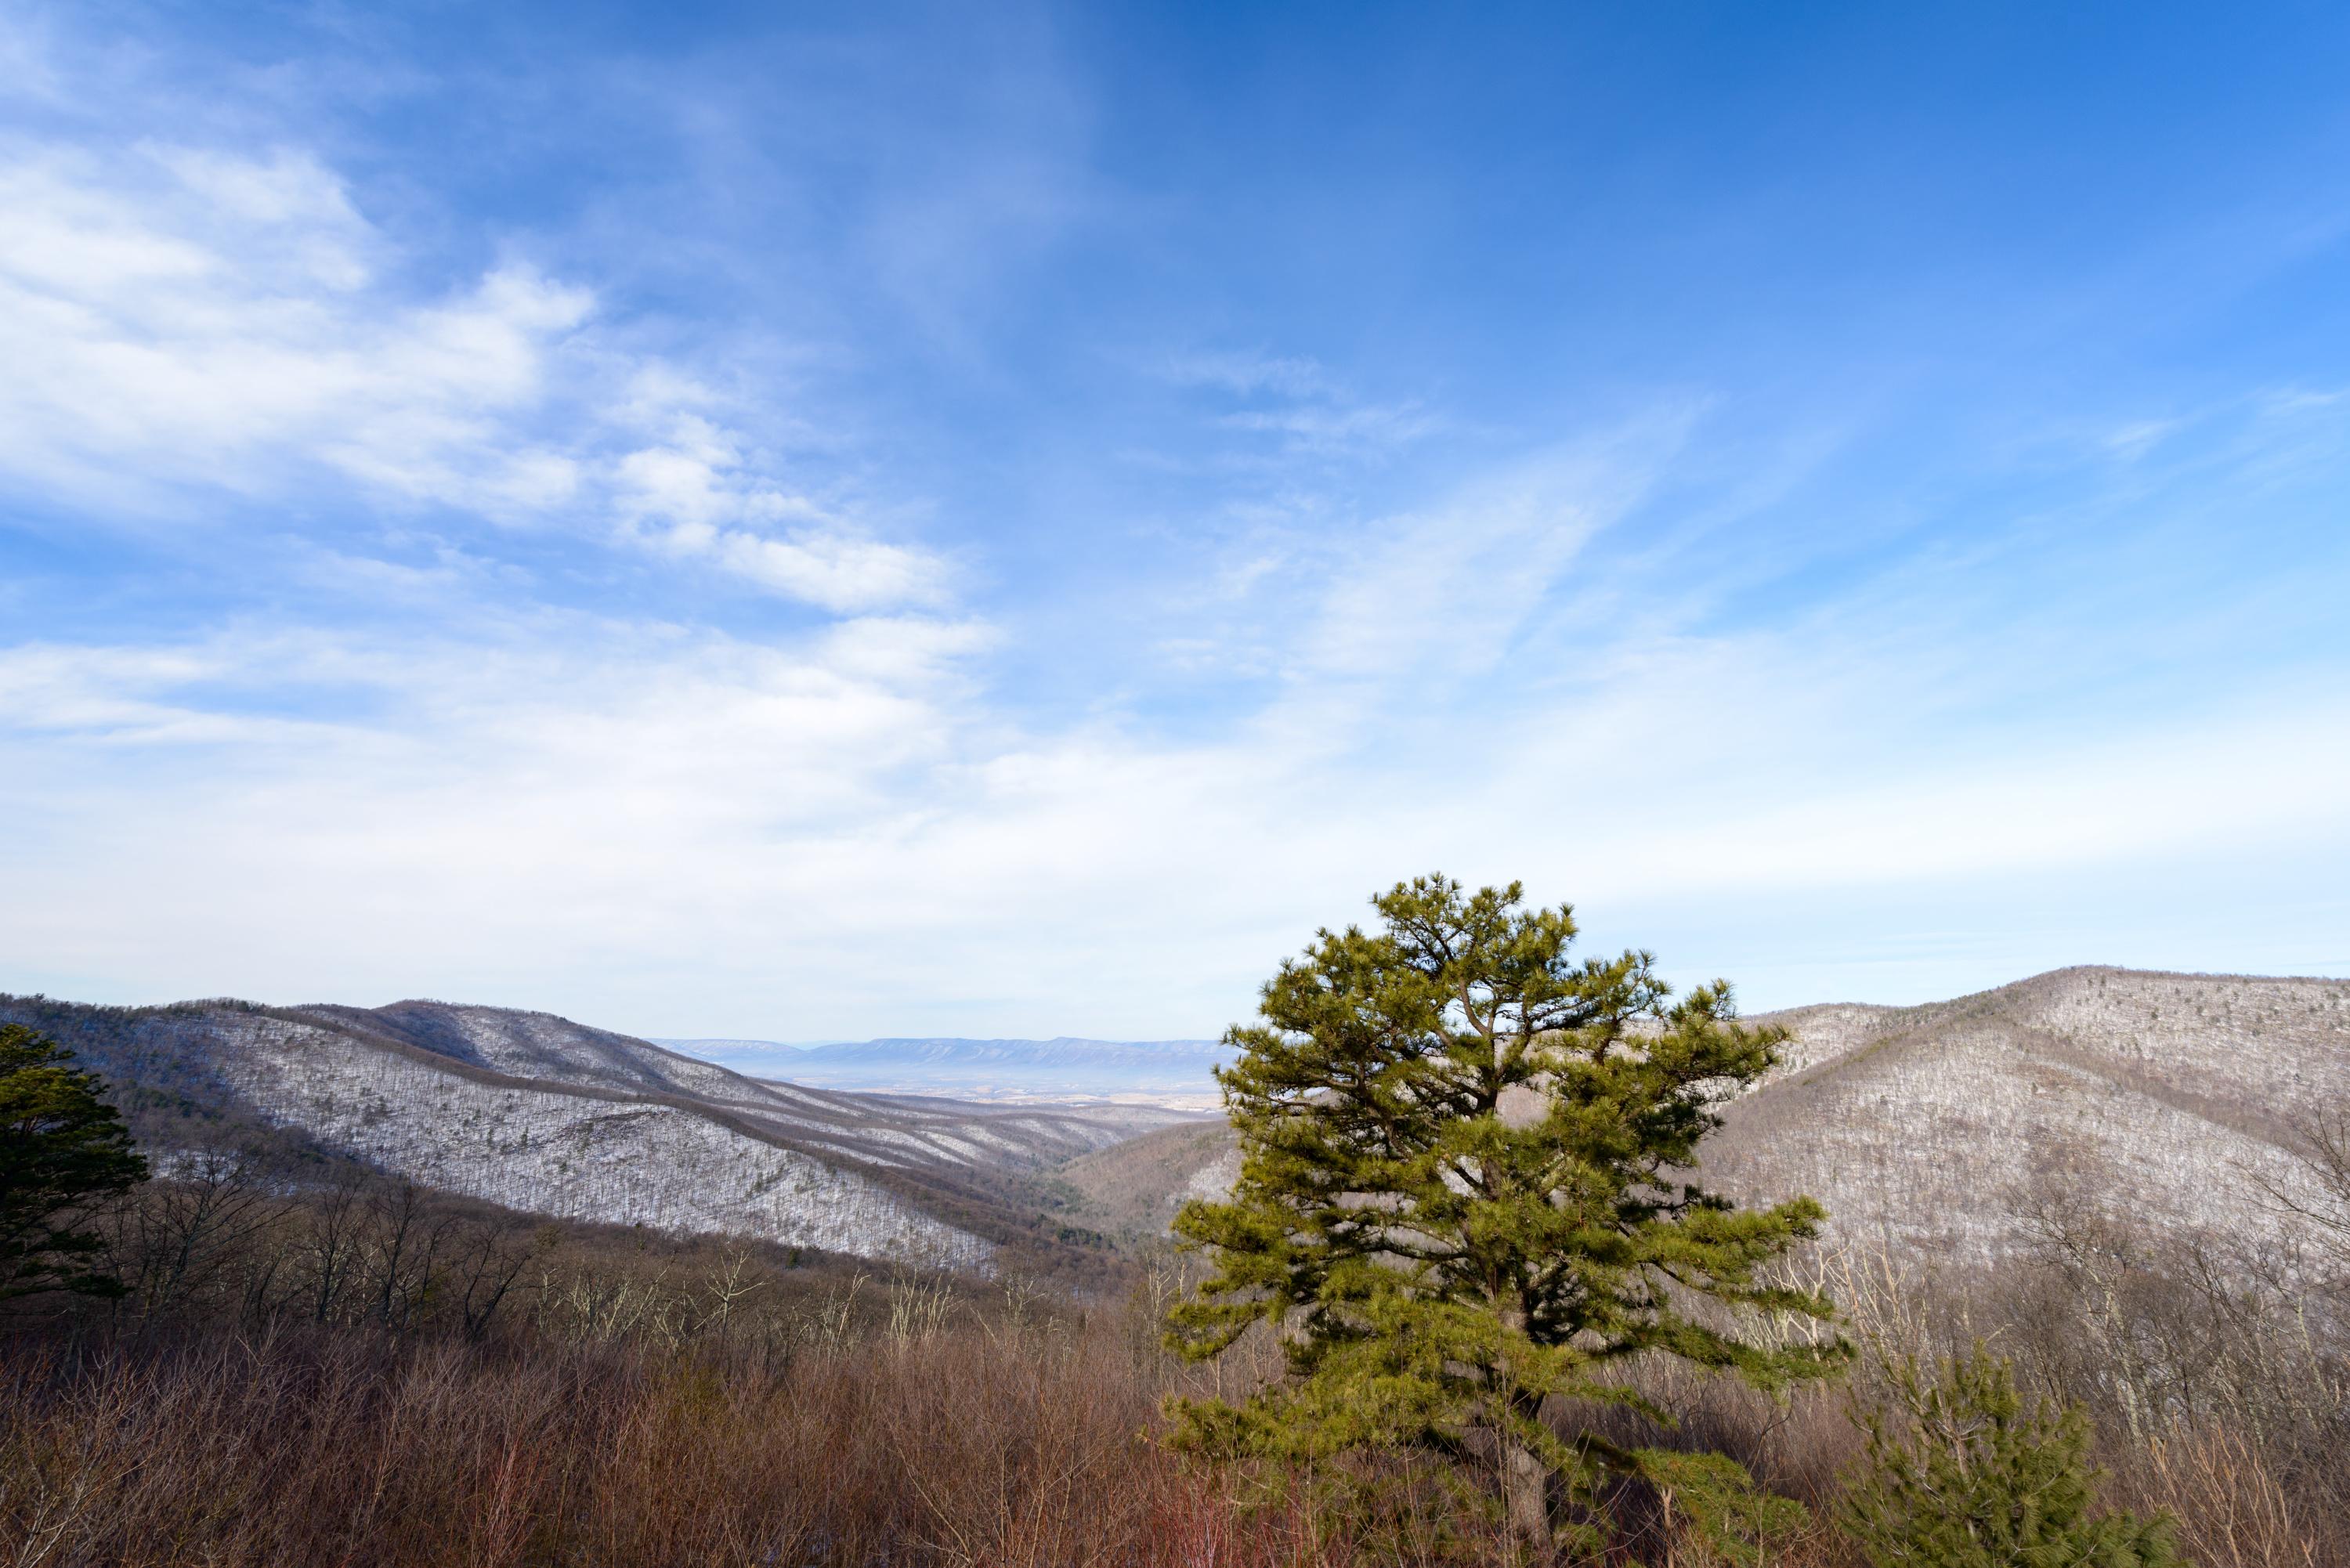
(643, 1401)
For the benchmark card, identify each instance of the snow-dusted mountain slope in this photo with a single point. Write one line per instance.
(2167, 1098)
(541, 1113)
(1941, 1127)
(1165, 1072)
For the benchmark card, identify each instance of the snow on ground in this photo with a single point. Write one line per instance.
(614, 1161)
(2165, 1099)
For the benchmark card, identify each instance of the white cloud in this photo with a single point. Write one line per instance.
(683, 833)
(669, 829)
(179, 316)
(833, 570)
(691, 498)
(190, 317)
(1442, 594)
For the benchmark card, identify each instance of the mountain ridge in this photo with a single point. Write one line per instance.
(1939, 1129)
(539, 1112)
(1934, 1128)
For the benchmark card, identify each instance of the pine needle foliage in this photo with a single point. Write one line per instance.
(62, 1148)
(1466, 1190)
(1972, 1476)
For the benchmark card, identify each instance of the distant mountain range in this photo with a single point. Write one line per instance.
(1163, 1072)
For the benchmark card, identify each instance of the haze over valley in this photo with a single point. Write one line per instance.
(1173, 1073)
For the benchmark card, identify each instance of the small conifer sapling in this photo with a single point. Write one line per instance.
(1963, 1472)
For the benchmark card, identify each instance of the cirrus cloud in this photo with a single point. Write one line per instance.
(182, 319)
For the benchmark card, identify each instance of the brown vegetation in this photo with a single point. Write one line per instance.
(316, 1366)
(372, 1375)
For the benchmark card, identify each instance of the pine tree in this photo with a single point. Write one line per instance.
(1466, 1190)
(62, 1148)
(1972, 1478)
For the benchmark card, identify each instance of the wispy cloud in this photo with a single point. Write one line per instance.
(1296, 402)
(1327, 430)
(652, 528)
(1246, 374)
(1446, 592)
(182, 316)
(692, 496)
(583, 807)
(185, 317)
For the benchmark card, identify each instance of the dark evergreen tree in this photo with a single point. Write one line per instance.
(1970, 1477)
(1466, 1190)
(62, 1150)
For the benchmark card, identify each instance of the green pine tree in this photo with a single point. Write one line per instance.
(1970, 1477)
(62, 1148)
(1465, 1190)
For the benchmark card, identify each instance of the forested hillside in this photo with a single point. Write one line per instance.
(1956, 1128)
(2174, 1102)
(2092, 1168)
(540, 1113)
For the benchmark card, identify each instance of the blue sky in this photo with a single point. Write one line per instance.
(900, 520)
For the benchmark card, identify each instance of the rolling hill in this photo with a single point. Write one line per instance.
(544, 1115)
(1940, 1128)
(1944, 1126)
(1933, 1128)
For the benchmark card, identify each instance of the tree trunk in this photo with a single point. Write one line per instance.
(1525, 1499)
(1525, 1479)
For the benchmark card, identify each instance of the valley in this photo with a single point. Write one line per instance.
(735, 1317)
(1175, 1074)
(542, 1114)
(1945, 1130)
